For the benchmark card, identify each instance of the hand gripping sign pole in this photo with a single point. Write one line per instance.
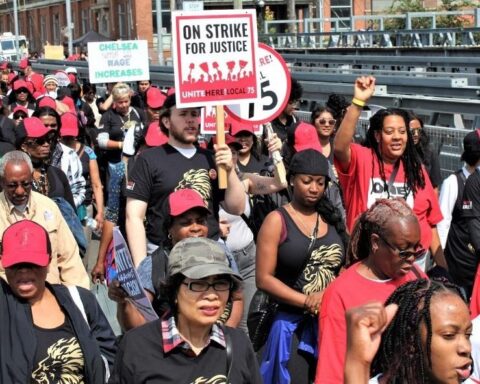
(220, 120)
(275, 90)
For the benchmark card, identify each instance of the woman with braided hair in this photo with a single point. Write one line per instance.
(387, 166)
(428, 339)
(384, 245)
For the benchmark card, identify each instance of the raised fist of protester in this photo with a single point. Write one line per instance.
(364, 88)
(365, 325)
(116, 292)
(313, 302)
(98, 272)
(223, 156)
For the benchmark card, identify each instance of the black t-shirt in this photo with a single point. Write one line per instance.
(58, 357)
(161, 170)
(141, 359)
(254, 165)
(471, 209)
(116, 125)
(459, 252)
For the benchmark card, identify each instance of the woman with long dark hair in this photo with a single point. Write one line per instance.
(300, 250)
(387, 166)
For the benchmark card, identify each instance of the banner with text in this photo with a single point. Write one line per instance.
(215, 57)
(128, 277)
(113, 61)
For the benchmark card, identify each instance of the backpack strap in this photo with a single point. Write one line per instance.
(228, 350)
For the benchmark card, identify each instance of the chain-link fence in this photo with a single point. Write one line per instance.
(446, 141)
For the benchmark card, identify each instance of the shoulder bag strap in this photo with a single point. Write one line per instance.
(229, 351)
(391, 180)
(78, 301)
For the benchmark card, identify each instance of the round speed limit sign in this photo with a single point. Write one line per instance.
(274, 89)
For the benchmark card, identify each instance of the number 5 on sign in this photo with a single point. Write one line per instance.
(274, 89)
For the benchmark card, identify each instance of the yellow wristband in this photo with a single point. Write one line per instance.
(358, 103)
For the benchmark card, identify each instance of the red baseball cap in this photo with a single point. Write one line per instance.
(34, 127)
(183, 200)
(25, 242)
(154, 136)
(19, 84)
(171, 91)
(68, 101)
(303, 136)
(20, 108)
(155, 98)
(69, 125)
(3, 66)
(237, 127)
(24, 63)
(47, 101)
(229, 140)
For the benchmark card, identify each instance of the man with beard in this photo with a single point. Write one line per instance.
(176, 165)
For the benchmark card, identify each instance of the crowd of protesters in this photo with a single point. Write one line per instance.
(366, 259)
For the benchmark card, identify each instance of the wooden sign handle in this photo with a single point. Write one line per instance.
(220, 119)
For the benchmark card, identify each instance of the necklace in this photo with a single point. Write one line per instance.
(313, 232)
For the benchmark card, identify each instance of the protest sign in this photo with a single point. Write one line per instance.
(274, 89)
(54, 52)
(208, 122)
(112, 61)
(128, 277)
(214, 56)
(62, 78)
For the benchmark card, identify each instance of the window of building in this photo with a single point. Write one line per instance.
(341, 9)
(56, 29)
(85, 20)
(166, 19)
(122, 21)
(43, 29)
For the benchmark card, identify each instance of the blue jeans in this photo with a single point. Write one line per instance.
(245, 259)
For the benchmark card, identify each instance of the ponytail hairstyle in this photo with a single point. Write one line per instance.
(412, 163)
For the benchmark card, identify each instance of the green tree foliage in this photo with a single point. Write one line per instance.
(448, 21)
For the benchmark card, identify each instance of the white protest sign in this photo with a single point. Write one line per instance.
(62, 78)
(112, 61)
(128, 277)
(274, 89)
(215, 57)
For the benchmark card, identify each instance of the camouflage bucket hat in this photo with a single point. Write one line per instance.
(197, 258)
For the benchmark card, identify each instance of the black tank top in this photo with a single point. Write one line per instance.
(324, 261)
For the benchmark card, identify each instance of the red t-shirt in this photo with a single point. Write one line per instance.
(349, 290)
(362, 186)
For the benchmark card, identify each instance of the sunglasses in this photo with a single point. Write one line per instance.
(54, 125)
(22, 90)
(327, 122)
(416, 131)
(204, 286)
(20, 116)
(37, 141)
(405, 254)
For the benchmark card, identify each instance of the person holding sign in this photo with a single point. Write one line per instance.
(176, 165)
(188, 346)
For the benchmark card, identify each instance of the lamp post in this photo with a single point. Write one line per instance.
(69, 27)
(259, 5)
(159, 32)
(15, 22)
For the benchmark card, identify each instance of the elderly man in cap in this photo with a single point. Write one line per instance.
(178, 164)
(19, 202)
(459, 230)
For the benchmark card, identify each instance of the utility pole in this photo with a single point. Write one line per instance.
(69, 27)
(161, 60)
(237, 4)
(15, 21)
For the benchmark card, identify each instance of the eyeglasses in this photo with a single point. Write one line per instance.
(23, 184)
(405, 254)
(325, 122)
(18, 117)
(41, 140)
(21, 90)
(54, 125)
(204, 286)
